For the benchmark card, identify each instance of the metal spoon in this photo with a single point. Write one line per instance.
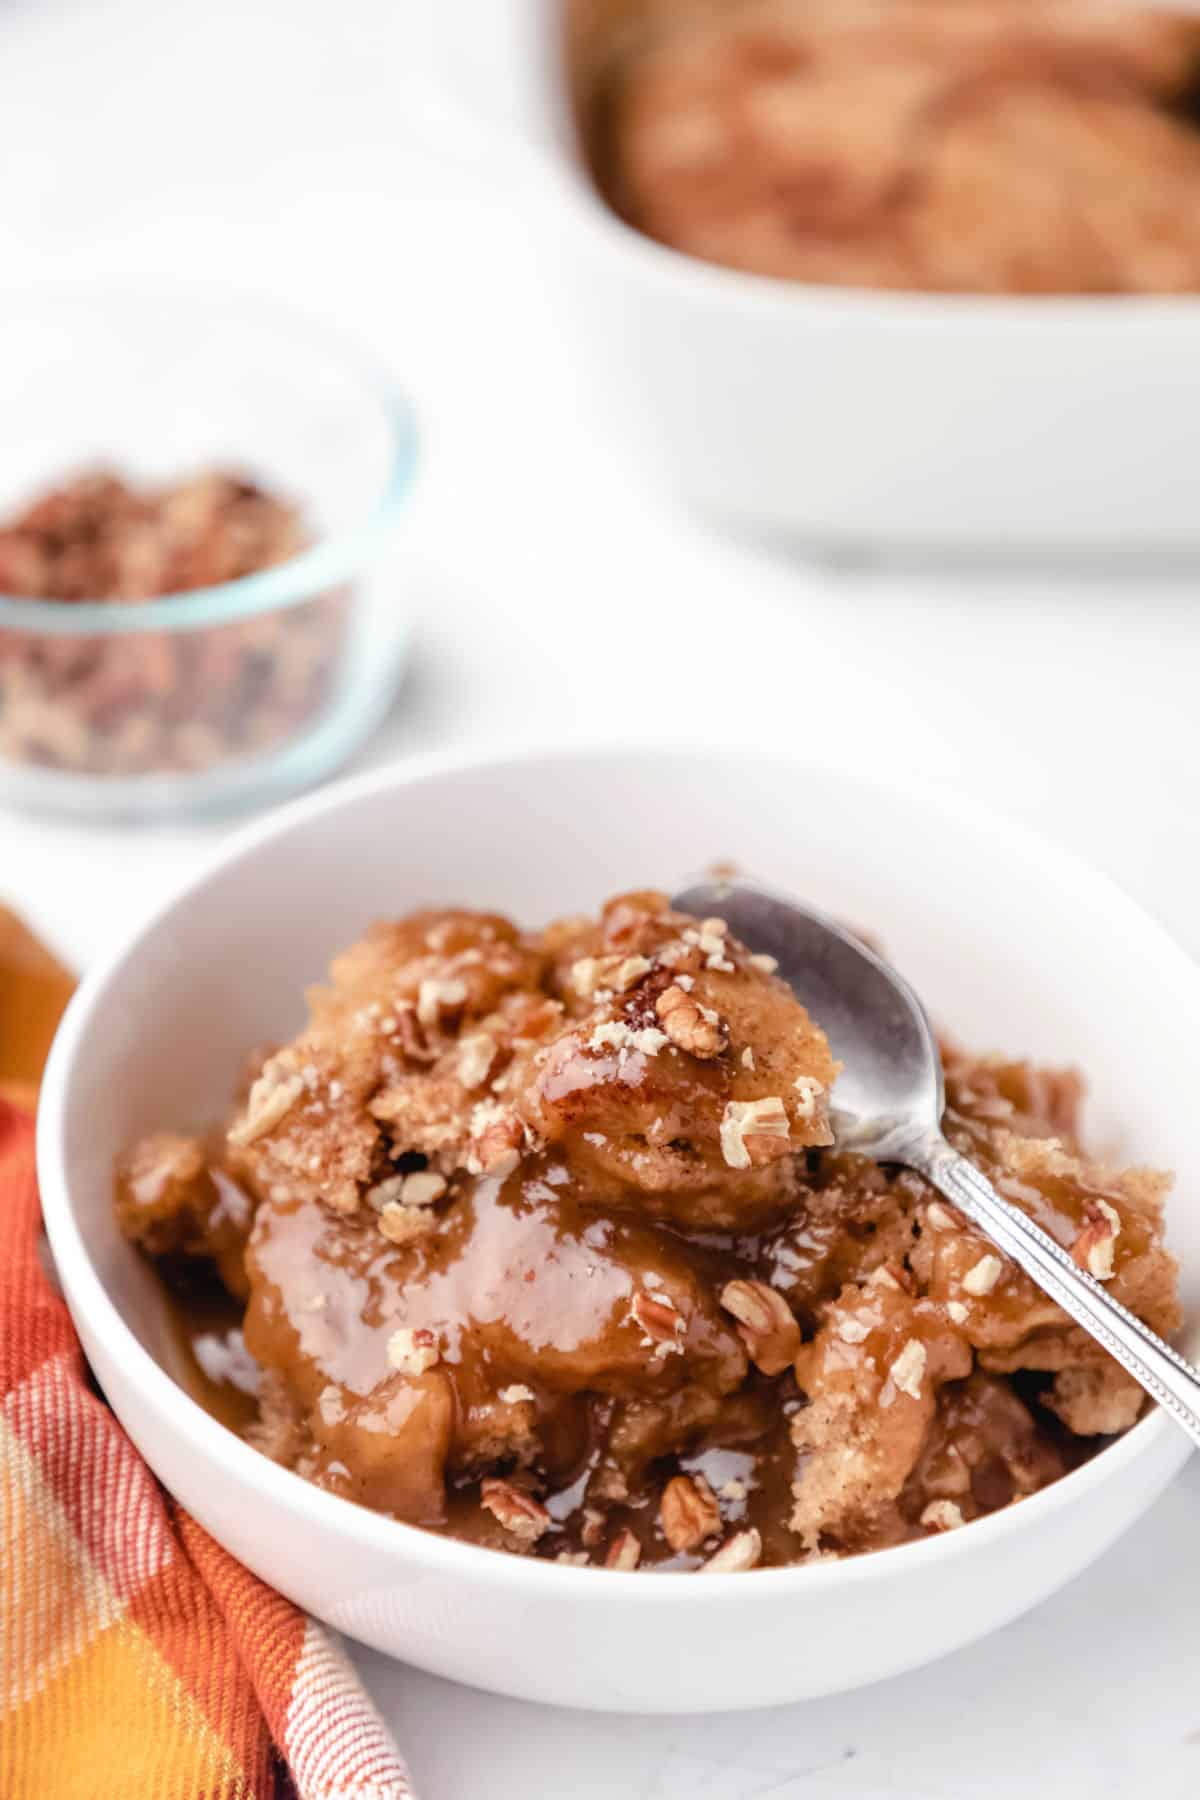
(889, 1102)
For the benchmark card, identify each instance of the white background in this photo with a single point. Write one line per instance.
(263, 147)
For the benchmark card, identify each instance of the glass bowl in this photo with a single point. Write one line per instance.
(222, 694)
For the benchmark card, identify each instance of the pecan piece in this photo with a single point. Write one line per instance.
(624, 1552)
(690, 1026)
(612, 974)
(434, 997)
(411, 1035)
(688, 1512)
(517, 1511)
(517, 1395)
(942, 1515)
(810, 1091)
(982, 1277)
(270, 1100)
(893, 1276)
(412, 1352)
(476, 1055)
(402, 1224)
(1093, 1248)
(908, 1370)
(497, 1138)
(660, 1321)
(742, 1551)
(421, 1188)
(765, 1324)
(762, 1119)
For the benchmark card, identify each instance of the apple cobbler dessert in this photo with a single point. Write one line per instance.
(543, 1240)
(1006, 146)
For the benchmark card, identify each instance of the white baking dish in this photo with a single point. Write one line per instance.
(956, 422)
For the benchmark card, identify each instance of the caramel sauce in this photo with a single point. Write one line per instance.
(526, 1286)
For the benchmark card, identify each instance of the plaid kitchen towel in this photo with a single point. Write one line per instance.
(138, 1661)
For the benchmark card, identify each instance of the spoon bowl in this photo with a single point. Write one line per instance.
(889, 1094)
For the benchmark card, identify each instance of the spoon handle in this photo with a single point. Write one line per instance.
(1166, 1376)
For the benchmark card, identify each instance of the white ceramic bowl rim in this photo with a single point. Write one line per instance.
(373, 1530)
(322, 566)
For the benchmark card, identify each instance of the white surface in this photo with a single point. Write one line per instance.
(122, 1065)
(261, 146)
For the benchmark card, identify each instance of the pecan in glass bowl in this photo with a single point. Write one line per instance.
(198, 601)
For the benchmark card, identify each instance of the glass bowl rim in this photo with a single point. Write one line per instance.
(322, 566)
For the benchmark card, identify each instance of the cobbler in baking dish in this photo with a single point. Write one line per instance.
(995, 146)
(542, 1239)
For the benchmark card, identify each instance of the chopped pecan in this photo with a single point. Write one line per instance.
(496, 1140)
(688, 1512)
(615, 1034)
(1093, 1248)
(766, 1118)
(709, 939)
(809, 1090)
(660, 1320)
(593, 1526)
(435, 997)
(412, 1352)
(270, 1100)
(766, 1324)
(608, 974)
(741, 1551)
(624, 1552)
(517, 1511)
(690, 1026)
(983, 1276)
(421, 1188)
(402, 1224)
(942, 1515)
(476, 1055)
(410, 1034)
(852, 1330)
(628, 972)
(908, 1370)
(892, 1275)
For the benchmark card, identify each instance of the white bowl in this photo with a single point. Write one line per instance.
(1013, 942)
(953, 422)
